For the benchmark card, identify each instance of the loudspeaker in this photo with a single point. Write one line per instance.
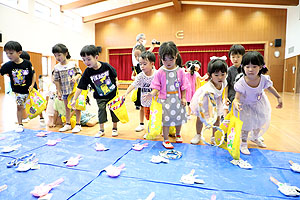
(277, 42)
(99, 49)
(0, 37)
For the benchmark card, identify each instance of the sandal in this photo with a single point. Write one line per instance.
(168, 145)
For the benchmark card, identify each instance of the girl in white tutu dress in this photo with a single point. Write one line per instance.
(251, 100)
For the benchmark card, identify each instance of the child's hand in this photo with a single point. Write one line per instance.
(183, 101)
(59, 95)
(73, 104)
(279, 100)
(227, 102)
(117, 83)
(73, 79)
(237, 105)
(30, 88)
(147, 96)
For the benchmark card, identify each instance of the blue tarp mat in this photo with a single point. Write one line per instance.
(92, 160)
(28, 139)
(141, 177)
(21, 183)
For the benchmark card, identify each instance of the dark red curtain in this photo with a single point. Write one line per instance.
(121, 58)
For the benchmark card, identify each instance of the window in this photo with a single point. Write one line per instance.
(42, 11)
(47, 10)
(21, 5)
(45, 65)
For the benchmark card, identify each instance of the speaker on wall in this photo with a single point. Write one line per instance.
(0, 37)
(99, 49)
(277, 42)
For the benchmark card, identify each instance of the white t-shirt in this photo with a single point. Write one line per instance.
(143, 81)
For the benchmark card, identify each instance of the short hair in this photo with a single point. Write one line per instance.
(24, 55)
(236, 49)
(89, 50)
(217, 65)
(140, 47)
(140, 36)
(13, 46)
(148, 55)
(255, 58)
(61, 48)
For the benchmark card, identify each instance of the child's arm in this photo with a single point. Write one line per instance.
(77, 93)
(151, 94)
(133, 75)
(33, 81)
(129, 89)
(58, 90)
(117, 82)
(275, 93)
(183, 97)
(236, 101)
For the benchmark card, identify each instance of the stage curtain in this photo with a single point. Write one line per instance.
(121, 58)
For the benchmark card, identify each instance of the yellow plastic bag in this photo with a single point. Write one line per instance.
(80, 101)
(134, 95)
(231, 125)
(35, 104)
(155, 121)
(172, 131)
(118, 107)
(199, 83)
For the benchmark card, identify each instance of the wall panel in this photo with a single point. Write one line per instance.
(2, 86)
(201, 25)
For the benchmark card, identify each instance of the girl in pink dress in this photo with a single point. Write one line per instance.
(251, 100)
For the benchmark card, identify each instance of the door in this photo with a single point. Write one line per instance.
(290, 74)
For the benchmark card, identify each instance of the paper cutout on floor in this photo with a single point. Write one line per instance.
(8, 149)
(191, 178)
(100, 147)
(42, 190)
(139, 147)
(113, 171)
(286, 189)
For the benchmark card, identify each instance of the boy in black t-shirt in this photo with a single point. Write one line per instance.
(21, 77)
(102, 77)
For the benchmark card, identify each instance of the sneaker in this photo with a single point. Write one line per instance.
(213, 140)
(76, 129)
(20, 128)
(178, 139)
(168, 145)
(65, 128)
(42, 122)
(139, 128)
(196, 139)
(259, 143)
(145, 136)
(100, 133)
(114, 133)
(244, 148)
(25, 120)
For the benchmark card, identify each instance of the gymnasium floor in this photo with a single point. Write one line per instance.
(141, 177)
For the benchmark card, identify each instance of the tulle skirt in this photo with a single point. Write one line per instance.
(256, 116)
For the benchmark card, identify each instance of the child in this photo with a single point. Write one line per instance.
(192, 75)
(251, 100)
(21, 76)
(137, 51)
(235, 54)
(171, 84)
(66, 73)
(24, 55)
(143, 80)
(217, 71)
(102, 77)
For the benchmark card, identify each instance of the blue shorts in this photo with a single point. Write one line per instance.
(65, 97)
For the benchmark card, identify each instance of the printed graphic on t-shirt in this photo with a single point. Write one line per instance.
(103, 84)
(19, 76)
(146, 88)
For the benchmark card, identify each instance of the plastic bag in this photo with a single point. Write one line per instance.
(35, 104)
(134, 95)
(231, 125)
(155, 121)
(118, 107)
(80, 101)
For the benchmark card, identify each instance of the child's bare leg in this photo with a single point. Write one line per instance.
(78, 116)
(68, 111)
(20, 113)
(256, 140)
(217, 123)
(115, 125)
(178, 136)
(142, 114)
(102, 127)
(166, 133)
(51, 121)
(92, 122)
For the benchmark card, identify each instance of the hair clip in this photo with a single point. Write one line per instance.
(215, 57)
(264, 66)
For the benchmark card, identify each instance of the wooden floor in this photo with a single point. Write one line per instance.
(283, 134)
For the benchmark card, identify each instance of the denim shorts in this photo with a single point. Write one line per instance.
(65, 97)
